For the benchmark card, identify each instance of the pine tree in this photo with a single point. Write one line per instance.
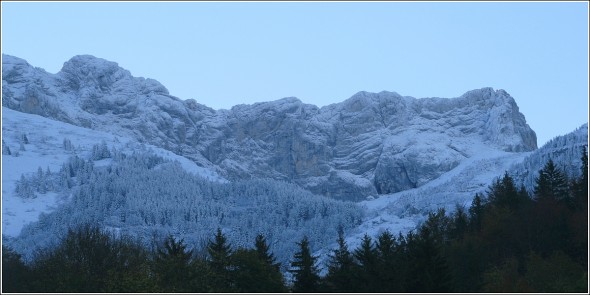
(429, 271)
(220, 254)
(172, 266)
(388, 263)
(551, 183)
(24, 139)
(41, 181)
(460, 223)
(15, 274)
(340, 277)
(523, 194)
(503, 193)
(304, 269)
(255, 271)
(366, 259)
(580, 185)
(476, 212)
(253, 274)
(5, 149)
(264, 252)
(67, 145)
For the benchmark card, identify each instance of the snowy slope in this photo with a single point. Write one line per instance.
(46, 150)
(398, 212)
(564, 150)
(404, 211)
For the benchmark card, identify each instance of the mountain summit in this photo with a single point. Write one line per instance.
(371, 143)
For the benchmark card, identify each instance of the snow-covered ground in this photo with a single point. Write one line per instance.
(404, 211)
(399, 212)
(46, 150)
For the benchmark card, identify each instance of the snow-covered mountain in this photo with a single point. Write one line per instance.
(370, 144)
(398, 157)
(48, 145)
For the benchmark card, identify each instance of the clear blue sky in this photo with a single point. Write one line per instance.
(223, 54)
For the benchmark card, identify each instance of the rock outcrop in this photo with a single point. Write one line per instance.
(372, 143)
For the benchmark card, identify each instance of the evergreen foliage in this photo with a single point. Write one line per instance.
(503, 193)
(15, 274)
(263, 251)
(220, 261)
(304, 269)
(506, 242)
(253, 274)
(5, 149)
(166, 199)
(341, 276)
(173, 266)
(551, 183)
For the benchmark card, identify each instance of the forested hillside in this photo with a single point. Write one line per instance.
(145, 196)
(506, 241)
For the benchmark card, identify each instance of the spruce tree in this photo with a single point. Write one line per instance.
(303, 267)
(220, 253)
(253, 274)
(87, 261)
(5, 149)
(172, 266)
(580, 185)
(366, 259)
(256, 270)
(264, 252)
(15, 274)
(476, 212)
(460, 223)
(388, 263)
(503, 193)
(428, 269)
(340, 277)
(551, 183)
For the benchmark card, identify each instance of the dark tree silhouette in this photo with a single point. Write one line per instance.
(220, 253)
(551, 183)
(341, 277)
(304, 269)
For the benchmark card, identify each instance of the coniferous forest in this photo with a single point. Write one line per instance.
(508, 240)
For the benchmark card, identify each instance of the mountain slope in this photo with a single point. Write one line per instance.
(145, 192)
(404, 211)
(564, 150)
(372, 143)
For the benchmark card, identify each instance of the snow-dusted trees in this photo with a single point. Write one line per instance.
(24, 188)
(100, 151)
(24, 139)
(5, 149)
(67, 144)
(142, 194)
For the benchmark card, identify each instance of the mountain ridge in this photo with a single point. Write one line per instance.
(371, 143)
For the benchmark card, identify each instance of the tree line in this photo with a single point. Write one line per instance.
(507, 241)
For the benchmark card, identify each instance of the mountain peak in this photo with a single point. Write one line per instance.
(90, 72)
(370, 143)
(9, 59)
(87, 70)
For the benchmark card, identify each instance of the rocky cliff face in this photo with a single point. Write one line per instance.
(372, 143)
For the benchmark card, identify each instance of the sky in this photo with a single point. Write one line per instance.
(227, 53)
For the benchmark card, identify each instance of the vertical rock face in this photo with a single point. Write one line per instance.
(372, 143)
